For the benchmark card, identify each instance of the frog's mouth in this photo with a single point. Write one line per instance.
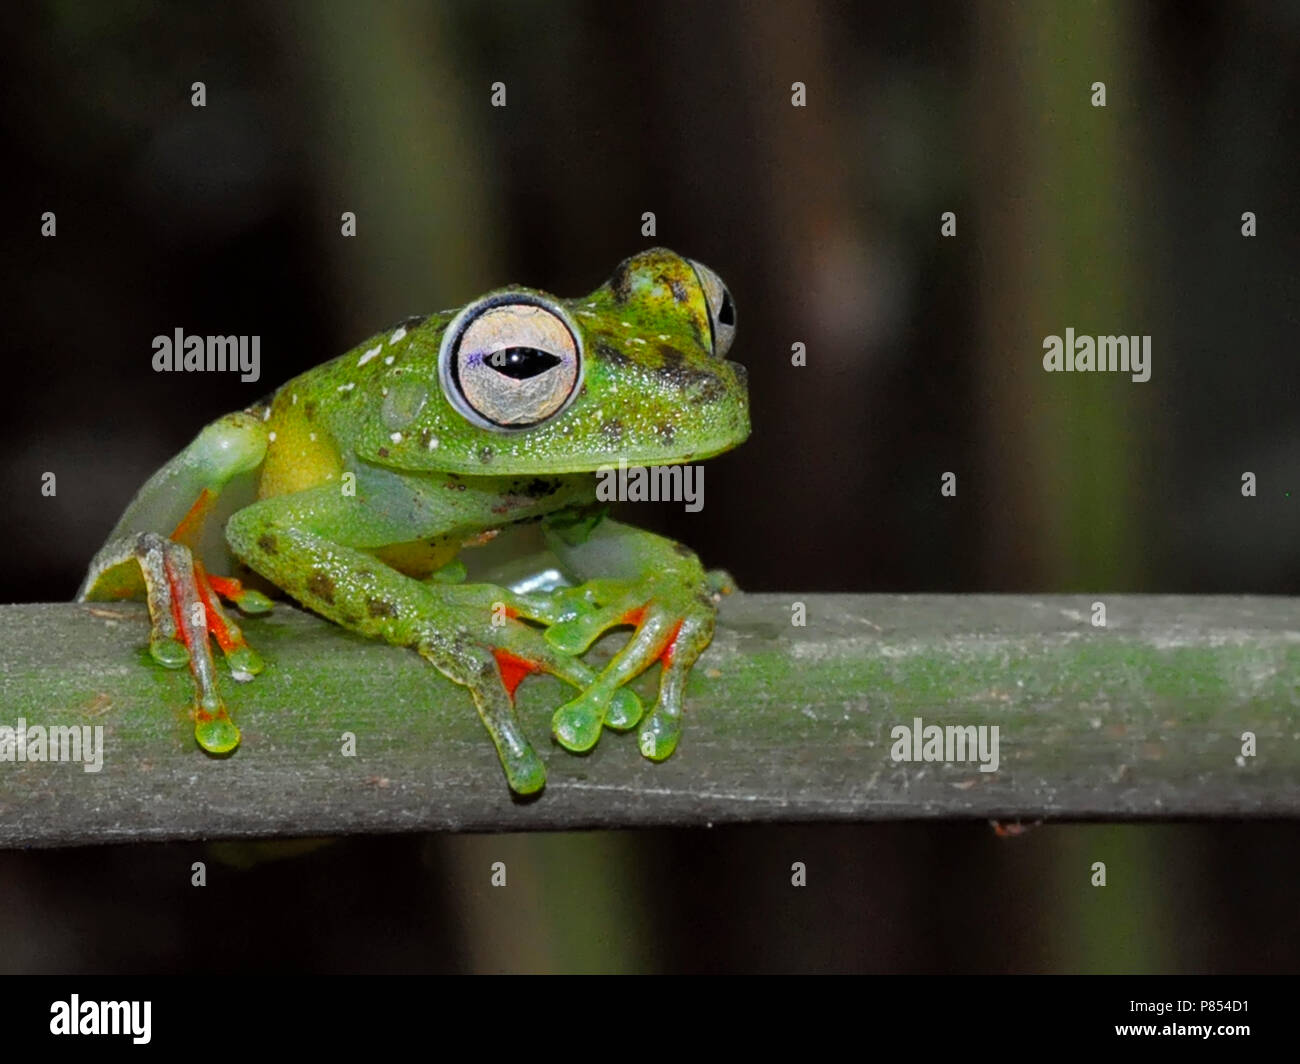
(709, 417)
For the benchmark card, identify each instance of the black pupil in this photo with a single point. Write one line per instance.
(726, 313)
(520, 363)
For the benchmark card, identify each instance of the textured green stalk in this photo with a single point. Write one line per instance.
(1141, 719)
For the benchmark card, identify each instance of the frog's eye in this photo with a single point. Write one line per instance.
(722, 311)
(509, 365)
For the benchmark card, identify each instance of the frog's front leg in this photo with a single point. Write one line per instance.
(647, 581)
(314, 545)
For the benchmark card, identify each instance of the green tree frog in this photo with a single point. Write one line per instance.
(363, 478)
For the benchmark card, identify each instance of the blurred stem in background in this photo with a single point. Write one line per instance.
(1061, 217)
(572, 902)
(1059, 228)
(399, 141)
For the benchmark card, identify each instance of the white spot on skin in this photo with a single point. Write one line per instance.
(266, 414)
(347, 387)
(370, 354)
(397, 335)
(396, 437)
(271, 436)
(626, 324)
(293, 398)
(384, 391)
(311, 436)
(635, 340)
(433, 443)
(389, 360)
(591, 304)
(663, 336)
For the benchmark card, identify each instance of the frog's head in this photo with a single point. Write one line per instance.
(521, 382)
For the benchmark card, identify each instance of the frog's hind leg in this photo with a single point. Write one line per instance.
(243, 660)
(184, 601)
(180, 619)
(183, 493)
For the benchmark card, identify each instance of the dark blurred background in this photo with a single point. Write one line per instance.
(924, 356)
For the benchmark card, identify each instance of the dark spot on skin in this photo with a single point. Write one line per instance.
(670, 357)
(707, 344)
(667, 433)
(709, 389)
(425, 437)
(485, 455)
(611, 354)
(683, 550)
(267, 543)
(705, 599)
(321, 585)
(382, 452)
(539, 488)
(679, 291)
(677, 376)
(350, 618)
(699, 385)
(612, 429)
(377, 607)
(412, 322)
(309, 409)
(619, 283)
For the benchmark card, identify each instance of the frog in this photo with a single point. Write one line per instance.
(354, 488)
